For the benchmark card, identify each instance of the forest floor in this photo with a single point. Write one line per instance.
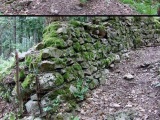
(119, 99)
(65, 7)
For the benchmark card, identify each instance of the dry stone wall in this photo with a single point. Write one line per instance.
(73, 57)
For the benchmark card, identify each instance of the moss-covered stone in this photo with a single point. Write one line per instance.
(21, 75)
(28, 60)
(73, 72)
(59, 79)
(90, 70)
(27, 81)
(54, 42)
(51, 52)
(77, 67)
(50, 36)
(69, 52)
(88, 38)
(89, 47)
(81, 40)
(63, 92)
(77, 32)
(75, 23)
(93, 84)
(39, 46)
(89, 56)
(51, 30)
(77, 47)
(47, 66)
(68, 76)
(32, 60)
(79, 58)
(59, 63)
(98, 45)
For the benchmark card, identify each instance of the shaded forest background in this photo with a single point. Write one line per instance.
(19, 33)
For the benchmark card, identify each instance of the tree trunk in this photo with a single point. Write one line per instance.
(14, 31)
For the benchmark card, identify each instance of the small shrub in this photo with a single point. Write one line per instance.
(80, 90)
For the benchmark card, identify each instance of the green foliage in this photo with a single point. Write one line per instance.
(28, 61)
(5, 66)
(53, 106)
(75, 118)
(32, 61)
(88, 56)
(83, 1)
(50, 36)
(77, 47)
(5, 93)
(10, 116)
(27, 81)
(59, 79)
(144, 6)
(54, 42)
(79, 90)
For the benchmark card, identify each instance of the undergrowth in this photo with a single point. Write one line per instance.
(144, 6)
(5, 66)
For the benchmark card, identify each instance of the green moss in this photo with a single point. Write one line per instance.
(59, 61)
(98, 45)
(69, 52)
(75, 23)
(88, 38)
(68, 76)
(63, 92)
(77, 66)
(77, 32)
(137, 42)
(59, 79)
(108, 61)
(73, 72)
(22, 75)
(65, 37)
(83, 47)
(93, 84)
(89, 46)
(51, 29)
(32, 60)
(55, 93)
(88, 55)
(50, 36)
(77, 47)
(28, 80)
(72, 104)
(54, 42)
(28, 60)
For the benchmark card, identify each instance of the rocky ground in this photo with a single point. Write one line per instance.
(65, 7)
(135, 98)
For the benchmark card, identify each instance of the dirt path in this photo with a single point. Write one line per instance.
(66, 7)
(120, 99)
